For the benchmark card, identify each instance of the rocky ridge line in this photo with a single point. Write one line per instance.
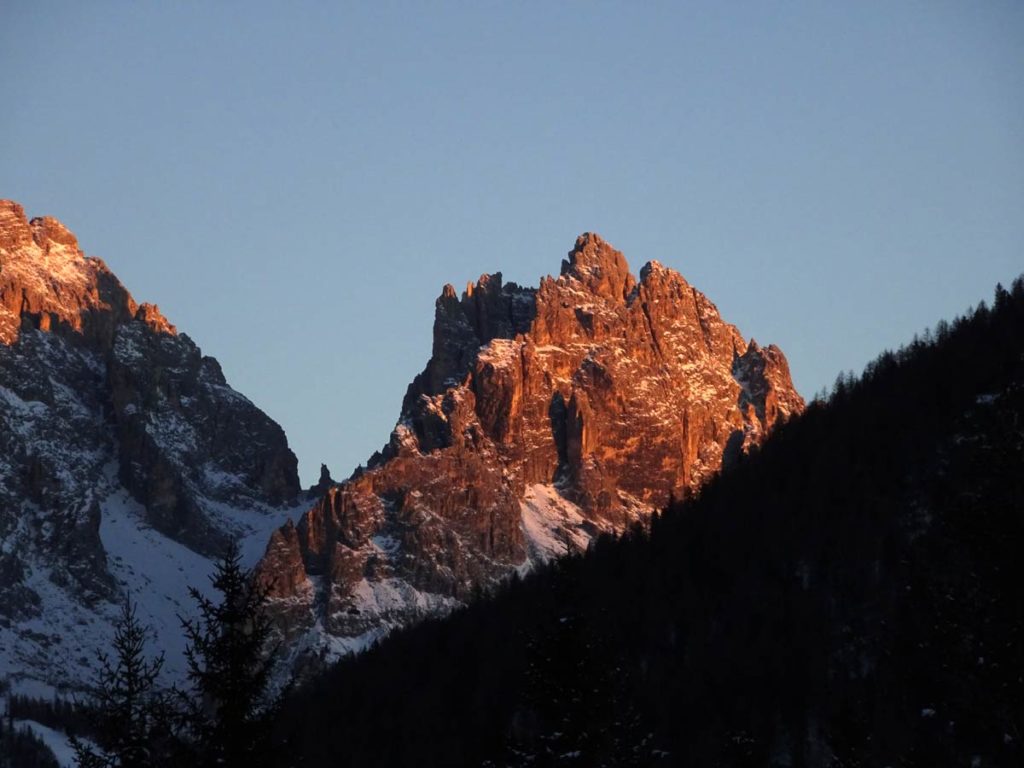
(113, 428)
(543, 417)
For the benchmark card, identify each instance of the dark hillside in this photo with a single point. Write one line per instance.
(849, 595)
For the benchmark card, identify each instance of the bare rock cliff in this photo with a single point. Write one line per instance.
(543, 417)
(114, 429)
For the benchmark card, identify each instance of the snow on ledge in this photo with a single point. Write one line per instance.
(553, 525)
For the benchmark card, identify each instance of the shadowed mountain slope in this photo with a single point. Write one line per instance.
(125, 457)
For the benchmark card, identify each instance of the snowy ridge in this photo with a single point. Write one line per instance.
(552, 525)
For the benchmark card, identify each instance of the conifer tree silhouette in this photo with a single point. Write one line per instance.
(230, 656)
(126, 713)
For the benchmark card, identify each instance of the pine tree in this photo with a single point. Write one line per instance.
(124, 713)
(230, 657)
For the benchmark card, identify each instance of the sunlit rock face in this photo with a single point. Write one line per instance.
(105, 407)
(543, 417)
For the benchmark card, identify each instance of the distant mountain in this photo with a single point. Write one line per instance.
(125, 458)
(544, 417)
(849, 594)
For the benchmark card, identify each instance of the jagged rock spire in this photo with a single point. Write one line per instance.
(542, 417)
(598, 266)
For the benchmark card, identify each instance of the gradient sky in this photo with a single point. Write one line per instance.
(294, 182)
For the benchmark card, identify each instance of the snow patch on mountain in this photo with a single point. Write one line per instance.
(58, 742)
(59, 646)
(553, 526)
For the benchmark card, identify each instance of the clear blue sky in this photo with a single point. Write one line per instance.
(294, 182)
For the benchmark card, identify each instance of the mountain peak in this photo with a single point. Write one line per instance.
(151, 315)
(603, 270)
(14, 229)
(47, 282)
(543, 417)
(108, 416)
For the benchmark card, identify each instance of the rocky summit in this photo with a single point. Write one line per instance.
(126, 460)
(544, 417)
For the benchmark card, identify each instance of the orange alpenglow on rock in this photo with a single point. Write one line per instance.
(46, 282)
(543, 417)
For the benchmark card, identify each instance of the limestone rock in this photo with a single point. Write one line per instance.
(105, 407)
(543, 417)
